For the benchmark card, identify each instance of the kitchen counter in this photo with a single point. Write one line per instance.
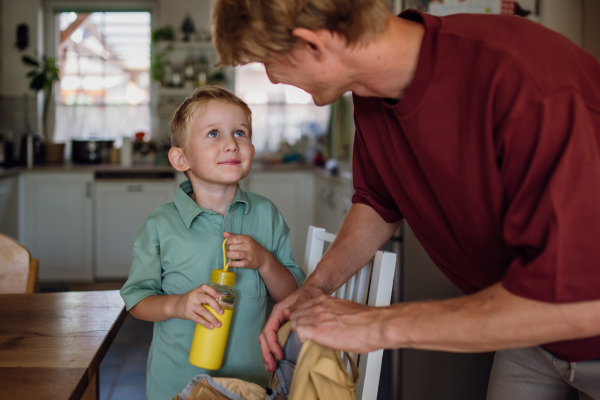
(69, 167)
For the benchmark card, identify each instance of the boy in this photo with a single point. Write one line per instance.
(180, 244)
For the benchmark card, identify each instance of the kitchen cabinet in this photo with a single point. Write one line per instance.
(9, 206)
(56, 223)
(293, 193)
(121, 209)
(333, 197)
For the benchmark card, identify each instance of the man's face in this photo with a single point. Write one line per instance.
(219, 149)
(323, 79)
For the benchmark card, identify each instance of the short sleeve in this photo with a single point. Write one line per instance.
(549, 161)
(282, 249)
(369, 188)
(145, 274)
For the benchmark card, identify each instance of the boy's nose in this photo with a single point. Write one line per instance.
(231, 145)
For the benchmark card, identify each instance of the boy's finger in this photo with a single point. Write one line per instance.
(212, 303)
(199, 319)
(208, 290)
(239, 264)
(236, 255)
(204, 313)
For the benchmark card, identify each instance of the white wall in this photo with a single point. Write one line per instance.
(13, 81)
(563, 16)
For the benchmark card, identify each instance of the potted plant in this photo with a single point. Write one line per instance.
(44, 74)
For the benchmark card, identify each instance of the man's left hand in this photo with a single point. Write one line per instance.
(339, 324)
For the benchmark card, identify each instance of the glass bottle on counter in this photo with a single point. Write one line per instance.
(202, 71)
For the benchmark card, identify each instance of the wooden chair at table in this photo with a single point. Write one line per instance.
(372, 285)
(18, 271)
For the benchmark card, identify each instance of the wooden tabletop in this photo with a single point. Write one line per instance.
(51, 344)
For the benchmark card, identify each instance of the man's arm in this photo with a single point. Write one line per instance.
(492, 319)
(362, 233)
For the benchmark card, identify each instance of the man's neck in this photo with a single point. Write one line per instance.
(386, 66)
(215, 197)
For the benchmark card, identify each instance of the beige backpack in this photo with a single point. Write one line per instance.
(318, 373)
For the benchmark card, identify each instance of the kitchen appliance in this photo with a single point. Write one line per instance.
(6, 149)
(91, 151)
(31, 149)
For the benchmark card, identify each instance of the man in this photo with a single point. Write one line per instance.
(483, 132)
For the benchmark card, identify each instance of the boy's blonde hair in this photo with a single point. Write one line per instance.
(248, 30)
(181, 122)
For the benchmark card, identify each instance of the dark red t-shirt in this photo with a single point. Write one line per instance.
(493, 158)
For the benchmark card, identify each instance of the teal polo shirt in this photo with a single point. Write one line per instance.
(175, 252)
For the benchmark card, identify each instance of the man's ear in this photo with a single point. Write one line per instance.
(314, 40)
(177, 159)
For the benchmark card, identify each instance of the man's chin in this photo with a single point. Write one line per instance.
(320, 101)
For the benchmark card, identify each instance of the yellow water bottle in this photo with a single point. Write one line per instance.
(208, 345)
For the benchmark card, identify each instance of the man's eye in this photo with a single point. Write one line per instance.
(239, 134)
(213, 134)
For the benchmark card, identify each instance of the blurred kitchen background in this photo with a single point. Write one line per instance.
(83, 158)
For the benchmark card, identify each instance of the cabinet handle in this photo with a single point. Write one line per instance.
(135, 188)
(88, 189)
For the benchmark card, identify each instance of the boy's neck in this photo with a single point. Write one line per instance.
(214, 197)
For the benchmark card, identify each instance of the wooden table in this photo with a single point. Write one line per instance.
(51, 344)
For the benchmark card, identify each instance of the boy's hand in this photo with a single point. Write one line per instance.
(246, 251)
(190, 306)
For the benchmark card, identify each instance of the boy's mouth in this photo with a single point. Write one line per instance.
(233, 161)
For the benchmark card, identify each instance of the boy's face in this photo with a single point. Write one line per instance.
(219, 149)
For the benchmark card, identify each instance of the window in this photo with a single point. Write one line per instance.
(104, 62)
(279, 112)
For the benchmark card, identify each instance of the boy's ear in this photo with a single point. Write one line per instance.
(177, 159)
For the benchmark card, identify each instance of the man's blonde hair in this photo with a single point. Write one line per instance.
(181, 123)
(248, 30)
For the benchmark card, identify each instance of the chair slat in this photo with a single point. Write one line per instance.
(371, 285)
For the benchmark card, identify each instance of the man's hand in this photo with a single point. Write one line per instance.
(339, 324)
(281, 313)
(190, 306)
(246, 252)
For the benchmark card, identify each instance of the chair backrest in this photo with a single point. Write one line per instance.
(18, 271)
(372, 285)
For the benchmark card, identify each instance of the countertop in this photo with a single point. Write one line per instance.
(69, 167)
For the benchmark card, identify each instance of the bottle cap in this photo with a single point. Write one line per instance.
(222, 277)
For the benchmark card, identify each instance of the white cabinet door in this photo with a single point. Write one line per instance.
(121, 210)
(56, 216)
(293, 194)
(9, 206)
(333, 197)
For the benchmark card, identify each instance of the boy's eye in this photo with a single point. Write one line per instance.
(213, 134)
(239, 134)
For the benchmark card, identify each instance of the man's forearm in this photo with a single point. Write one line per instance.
(155, 308)
(492, 319)
(362, 233)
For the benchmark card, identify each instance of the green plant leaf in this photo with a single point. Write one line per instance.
(32, 73)
(38, 82)
(30, 61)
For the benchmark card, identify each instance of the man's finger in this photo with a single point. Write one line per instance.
(267, 357)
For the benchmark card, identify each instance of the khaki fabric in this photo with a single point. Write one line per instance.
(320, 374)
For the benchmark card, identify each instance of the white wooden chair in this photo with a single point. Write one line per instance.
(372, 285)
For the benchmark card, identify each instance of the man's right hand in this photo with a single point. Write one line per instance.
(281, 313)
